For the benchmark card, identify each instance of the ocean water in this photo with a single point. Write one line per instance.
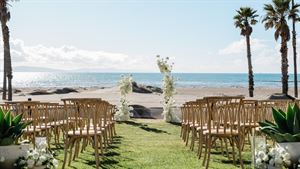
(56, 79)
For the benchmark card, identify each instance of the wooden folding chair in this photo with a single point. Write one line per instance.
(88, 126)
(224, 124)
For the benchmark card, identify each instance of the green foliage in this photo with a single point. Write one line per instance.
(286, 127)
(245, 17)
(276, 17)
(11, 127)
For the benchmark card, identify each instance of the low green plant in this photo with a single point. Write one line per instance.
(11, 127)
(286, 127)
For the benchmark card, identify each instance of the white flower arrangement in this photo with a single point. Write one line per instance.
(276, 157)
(168, 88)
(125, 87)
(38, 157)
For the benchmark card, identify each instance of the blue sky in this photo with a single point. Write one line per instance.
(96, 35)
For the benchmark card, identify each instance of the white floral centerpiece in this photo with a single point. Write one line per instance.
(125, 87)
(168, 88)
(39, 157)
(272, 157)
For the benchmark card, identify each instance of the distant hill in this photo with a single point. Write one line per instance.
(35, 69)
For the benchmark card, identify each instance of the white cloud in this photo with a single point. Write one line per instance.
(232, 58)
(265, 57)
(238, 47)
(72, 58)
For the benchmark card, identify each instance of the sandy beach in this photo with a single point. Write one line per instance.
(112, 95)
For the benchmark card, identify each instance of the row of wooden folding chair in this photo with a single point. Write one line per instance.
(88, 121)
(229, 118)
(211, 119)
(254, 111)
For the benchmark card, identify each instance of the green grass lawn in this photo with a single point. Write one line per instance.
(149, 144)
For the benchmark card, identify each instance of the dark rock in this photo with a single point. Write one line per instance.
(65, 91)
(139, 89)
(40, 92)
(140, 111)
(154, 89)
(280, 96)
(17, 91)
(145, 89)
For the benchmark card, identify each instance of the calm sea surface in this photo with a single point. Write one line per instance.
(36, 79)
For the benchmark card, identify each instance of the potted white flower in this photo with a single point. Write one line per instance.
(270, 157)
(286, 130)
(11, 129)
(38, 158)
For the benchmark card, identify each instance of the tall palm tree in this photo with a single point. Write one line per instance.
(4, 18)
(295, 17)
(244, 19)
(276, 17)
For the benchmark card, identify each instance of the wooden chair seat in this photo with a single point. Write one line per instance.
(251, 124)
(222, 133)
(43, 127)
(193, 125)
(202, 128)
(83, 132)
(54, 124)
(31, 130)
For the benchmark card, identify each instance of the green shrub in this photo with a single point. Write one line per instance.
(11, 127)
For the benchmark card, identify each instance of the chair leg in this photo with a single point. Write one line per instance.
(187, 136)
(209, 151)
(184, 132)
(205, 151)
(96, 151)
(71, 150)
(101, 145)
(222, 151)
(200, 144)
(240, 153)
(233, 152)
(110, 133)
(226, 147)
(192, 139)
(84, 144)
(114, 127)
(105, 141)
(77, 147)
(67, 143)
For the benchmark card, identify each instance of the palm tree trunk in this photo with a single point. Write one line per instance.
(284, 65)
(250, 68)
(8, 59)
(295, 57)
(5, 66)
(4, 81)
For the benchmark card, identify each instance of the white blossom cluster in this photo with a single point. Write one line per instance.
(276, 157)
(38, 157)
(168, 88)
(125, 87)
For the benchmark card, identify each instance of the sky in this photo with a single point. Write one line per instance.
(126, 35)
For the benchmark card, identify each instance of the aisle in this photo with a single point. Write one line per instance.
(145, 144)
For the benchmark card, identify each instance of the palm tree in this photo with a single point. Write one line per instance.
(294, 16)
(4, 18)
(276, 17)
(244, 19)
